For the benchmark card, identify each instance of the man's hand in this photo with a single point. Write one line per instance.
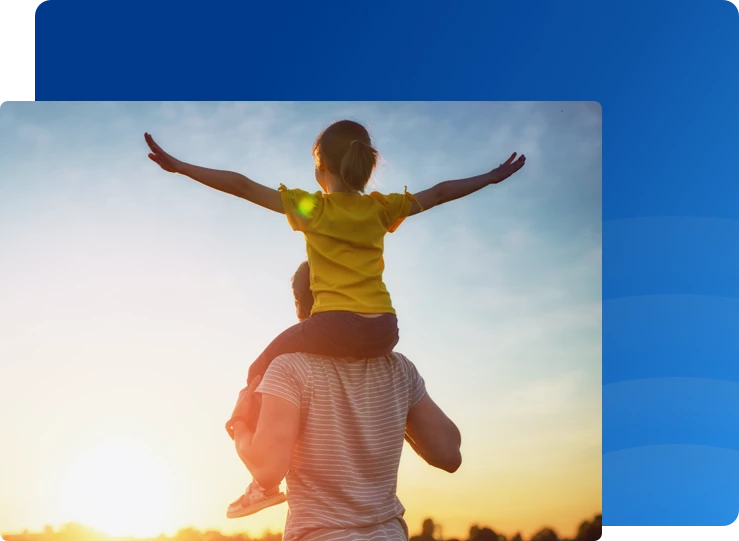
(251, 400)
(507, 169)
(246, 409)
(161, 158)
(256, 368)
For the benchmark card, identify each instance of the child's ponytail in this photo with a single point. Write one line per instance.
(357, 165)
(345, 148)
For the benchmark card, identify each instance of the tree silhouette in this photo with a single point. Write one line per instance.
(547, 534)
(214, 535)
(427, 531)
(188, 534)
(590, 530)
(486, 534)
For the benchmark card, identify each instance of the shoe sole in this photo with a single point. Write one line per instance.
(245, 512)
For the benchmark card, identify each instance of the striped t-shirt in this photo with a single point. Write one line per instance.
(341, 485)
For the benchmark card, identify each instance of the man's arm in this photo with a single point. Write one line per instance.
(456, 189)
(224, 181)
(433, 436)
(267, 451)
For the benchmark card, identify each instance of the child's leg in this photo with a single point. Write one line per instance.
(242, 412)
(254, 500)
(291, 340)
(256, 497)
(334, 334)
(286, 342)
(374, 337)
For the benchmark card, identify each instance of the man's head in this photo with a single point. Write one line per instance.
(301, 291)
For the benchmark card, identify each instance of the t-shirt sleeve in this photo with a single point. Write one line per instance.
(417, 384)
(397, 207)
(284, 378)
(301, 208)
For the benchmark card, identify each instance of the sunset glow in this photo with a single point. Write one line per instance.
(119, 488)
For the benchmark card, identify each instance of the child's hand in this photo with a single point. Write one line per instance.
(164, 160)
(506, 169)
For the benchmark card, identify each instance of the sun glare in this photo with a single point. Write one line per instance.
(119, 488)
(306, 205)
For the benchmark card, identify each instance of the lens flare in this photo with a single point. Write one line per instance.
(306, 206)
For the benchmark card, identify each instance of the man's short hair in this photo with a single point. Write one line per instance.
(301, 291)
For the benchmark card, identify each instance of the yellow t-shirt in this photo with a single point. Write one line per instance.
(344, 235)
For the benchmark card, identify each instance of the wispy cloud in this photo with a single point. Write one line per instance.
(34, 134)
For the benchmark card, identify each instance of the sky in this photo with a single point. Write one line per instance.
(133, 302)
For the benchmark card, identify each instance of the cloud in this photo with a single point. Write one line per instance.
(35, 134)
(518, 238)
(7, 114)
(544, 397)
(540, 424)
(519, 329)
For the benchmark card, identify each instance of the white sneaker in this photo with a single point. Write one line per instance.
(253, 500)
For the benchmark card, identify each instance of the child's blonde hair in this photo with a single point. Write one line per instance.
(346, 150)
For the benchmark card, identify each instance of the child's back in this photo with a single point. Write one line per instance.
(344, 235)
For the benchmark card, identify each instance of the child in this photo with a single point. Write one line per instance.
(344, 228)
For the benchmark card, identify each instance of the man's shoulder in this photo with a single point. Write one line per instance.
(292, 360)
(403, 361)
(393, 356)
(292, 357)
(305, 362)
(399, 357)
(290, 365)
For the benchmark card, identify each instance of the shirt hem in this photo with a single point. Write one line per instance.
(356, 309)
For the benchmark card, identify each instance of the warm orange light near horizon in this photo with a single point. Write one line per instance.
(118, 487)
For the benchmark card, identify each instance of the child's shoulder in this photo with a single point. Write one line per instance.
(300, 191)
(385, 199)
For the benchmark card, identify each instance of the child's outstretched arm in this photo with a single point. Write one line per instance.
(225, 181)
(455, 189)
